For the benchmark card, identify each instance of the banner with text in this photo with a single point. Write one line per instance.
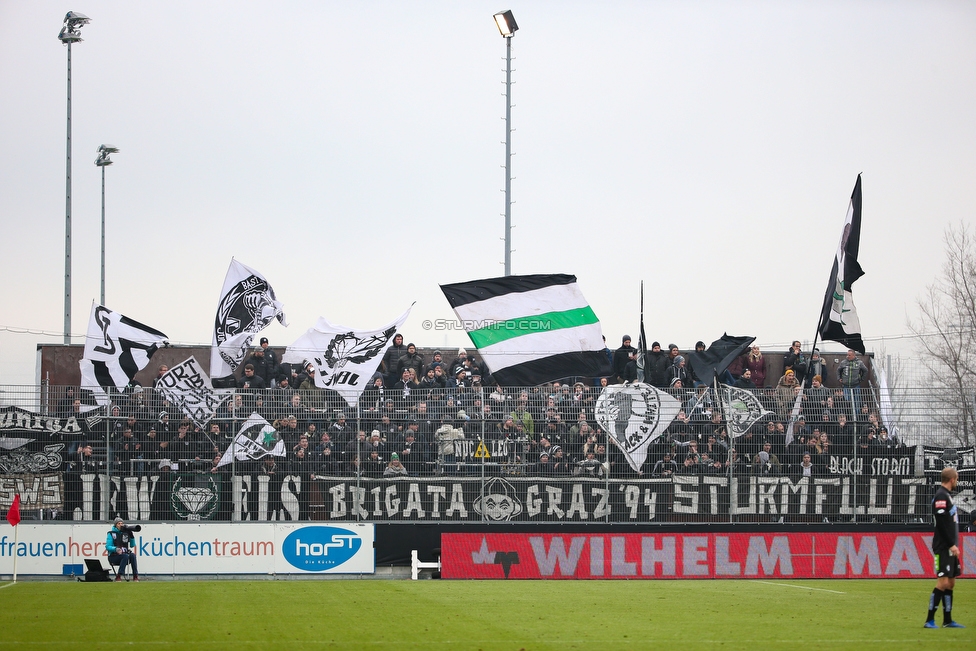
(185, 548)
(693, 556)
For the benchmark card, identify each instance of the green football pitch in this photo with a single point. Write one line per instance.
(433, 615)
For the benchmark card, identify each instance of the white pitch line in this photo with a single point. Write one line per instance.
(802, 587)
(7, 586)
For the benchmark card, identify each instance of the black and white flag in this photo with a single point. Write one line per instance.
(247, 306)
(187, 386)
(741, 409)
(794, 415)
(344, 358)
(838, 317)
(116, 348)
(256, 440)
(634, 416)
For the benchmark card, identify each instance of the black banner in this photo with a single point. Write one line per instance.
(683, 498)
(897, 461)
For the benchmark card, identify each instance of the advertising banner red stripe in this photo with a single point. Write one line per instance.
(692, 556)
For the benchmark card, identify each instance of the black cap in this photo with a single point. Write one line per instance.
(264, 340)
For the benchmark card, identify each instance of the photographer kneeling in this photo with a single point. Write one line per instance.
(117, 543)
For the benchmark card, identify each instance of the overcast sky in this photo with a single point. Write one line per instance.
(352, 152)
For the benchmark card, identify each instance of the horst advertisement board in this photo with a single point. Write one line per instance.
(693, 555)
(203, 548)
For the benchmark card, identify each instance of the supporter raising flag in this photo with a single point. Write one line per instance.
(247, 306)
(116, 348)
(531, 329)
(838, 318)
(344, 358)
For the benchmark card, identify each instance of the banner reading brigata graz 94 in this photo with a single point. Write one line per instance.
(298, 496)
(692, 556)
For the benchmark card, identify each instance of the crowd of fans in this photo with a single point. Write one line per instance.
(414, 410)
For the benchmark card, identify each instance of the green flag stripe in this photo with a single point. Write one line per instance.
(504, 330)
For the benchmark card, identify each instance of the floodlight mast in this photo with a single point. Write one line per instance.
(70, 33)
(505, 21)
(104, 161)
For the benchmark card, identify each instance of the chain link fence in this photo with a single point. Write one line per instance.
(478, 454)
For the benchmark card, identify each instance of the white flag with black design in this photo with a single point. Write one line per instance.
(634, 416)
(794, 415)
(256, 440)
(247, 306)
(741, 409)
(116, 348)
(187, 386)
(344, 358)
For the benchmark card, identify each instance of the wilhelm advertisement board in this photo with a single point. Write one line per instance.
(693, 556)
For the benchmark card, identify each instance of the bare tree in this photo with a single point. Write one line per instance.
(946, 329)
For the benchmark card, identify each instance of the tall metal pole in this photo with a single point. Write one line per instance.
(508, 156)
(103, 236)
(73, 22)
(67, 218)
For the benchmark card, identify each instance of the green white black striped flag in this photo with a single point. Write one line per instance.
(531, 329)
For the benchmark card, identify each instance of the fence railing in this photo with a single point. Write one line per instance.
(471, 454)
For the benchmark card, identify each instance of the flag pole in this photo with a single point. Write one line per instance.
(728, 451)
(16, 532)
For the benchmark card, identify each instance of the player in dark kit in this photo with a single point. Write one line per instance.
(945, 547)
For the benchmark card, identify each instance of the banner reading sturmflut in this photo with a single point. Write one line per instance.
(531, 329)
(247, 306)
(344, 358)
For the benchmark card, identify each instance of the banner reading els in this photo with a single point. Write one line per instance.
(692, 556)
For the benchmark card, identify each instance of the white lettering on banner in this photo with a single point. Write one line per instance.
(12, 419)
(556, 557)
(848, 555)
(653, 556)
(777, 552)
(724, 566)
(322, 549)
(457, 502)
(904, 557)
(619, 566)
(36, 491)
(695, 556)
(685, 494)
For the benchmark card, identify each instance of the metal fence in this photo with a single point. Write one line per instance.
(472, 454)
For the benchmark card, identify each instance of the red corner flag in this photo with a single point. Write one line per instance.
(13, 515)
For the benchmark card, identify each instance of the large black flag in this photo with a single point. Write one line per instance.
(717, 357)
(838, 318)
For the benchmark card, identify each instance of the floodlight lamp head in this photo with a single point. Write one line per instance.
(505, 20)
(103, 153)
(108, 149)
(73, 22)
